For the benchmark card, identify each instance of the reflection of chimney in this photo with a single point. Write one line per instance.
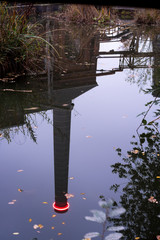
(61, 122)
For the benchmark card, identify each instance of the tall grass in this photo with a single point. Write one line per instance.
(81, 13)
(148, 16)
(21, 47)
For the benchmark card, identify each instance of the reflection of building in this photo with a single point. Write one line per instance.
(60, 100)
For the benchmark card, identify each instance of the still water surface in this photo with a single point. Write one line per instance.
(59, 134)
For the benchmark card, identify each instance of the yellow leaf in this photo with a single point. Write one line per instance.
(136, 151)
(52, 227)
(20, 190)
(30, 220)
(158, 177)
(45, 202)
(63, 223)
(59, 234)
(137, 238)
(40, 226)
(82, 193)
(54, 215)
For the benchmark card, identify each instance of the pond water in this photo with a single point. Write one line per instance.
(61, 133)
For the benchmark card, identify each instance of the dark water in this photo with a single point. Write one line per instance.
(59, 134)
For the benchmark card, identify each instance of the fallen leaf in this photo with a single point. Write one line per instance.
(88, 136)
(14, 200)
(71, 178)
(158, 177)
(52, 227)
(136, 151)
(10, 203)
(137, 238)
(84, 198)
(40, 226)
(38, 231)
(63, 223)
(45, 202)
(35, 226)
(1, 135)
(16, 233)
(30, 220)
(69, 195)
(82, 193)
(20, 190)
(54, 215)
(20, 170)
(59, 234)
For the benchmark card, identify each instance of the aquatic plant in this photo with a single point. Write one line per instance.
(21, 45)
(147, 16)
(112, 211)
(81, 13)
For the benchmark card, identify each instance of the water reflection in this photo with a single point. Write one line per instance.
(67, 76)
(140, 192)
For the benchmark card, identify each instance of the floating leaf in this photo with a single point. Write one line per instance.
(20, 190)
(54, 215)
(116, 212)
(63, 223)
(11, 203)
(40, 226)
(158, 177)
(20, 170)
(88, 136)
(115, 228)
(45, 202)
(82, 193)
(69, 195)
(98, 216)
(91, 235)
(16, 233)
(71, 178)
(84, 198)
(113, 236)
(30, 220)
(35, 226)
(52, 228)
(137, 238)
(136, 151)
(59, 234)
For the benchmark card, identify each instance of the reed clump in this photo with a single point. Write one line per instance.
(81, 13)
(147, 16)
(18, 51)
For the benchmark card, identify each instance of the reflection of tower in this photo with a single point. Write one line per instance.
(62, 122)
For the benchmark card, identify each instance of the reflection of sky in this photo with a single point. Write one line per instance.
(106, 120)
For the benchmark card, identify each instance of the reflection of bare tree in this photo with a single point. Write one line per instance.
(143, 66)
